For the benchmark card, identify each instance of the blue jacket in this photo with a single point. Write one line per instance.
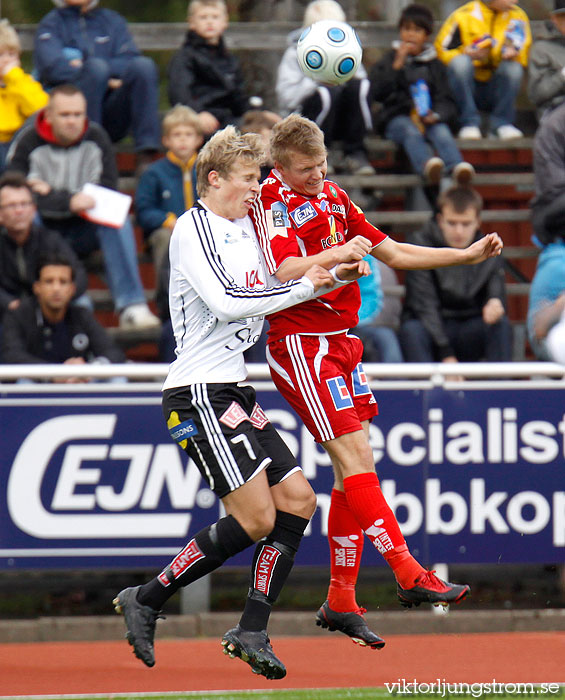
(160, 192)
(65, 32)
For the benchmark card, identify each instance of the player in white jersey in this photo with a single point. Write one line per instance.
(218, 296)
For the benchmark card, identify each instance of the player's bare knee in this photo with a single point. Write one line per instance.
(260, 521)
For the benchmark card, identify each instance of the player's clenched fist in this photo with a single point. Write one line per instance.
(487, 247)
(355, 249)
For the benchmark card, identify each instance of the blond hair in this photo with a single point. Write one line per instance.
(296, 134)
(194, 5)
(180, 115)
(323, 9)
(9, 38)
(222, 152)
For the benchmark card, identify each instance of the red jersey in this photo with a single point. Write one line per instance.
(289, 224)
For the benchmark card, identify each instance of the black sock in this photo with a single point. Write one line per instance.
(272, 563)
(205, 552)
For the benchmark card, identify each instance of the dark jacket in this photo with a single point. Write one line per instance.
(96, 33)
(207, 78)
(391, 88)
(67, 169)
(160, 192)
(458, 292)
(26, 337)
(546, 71)
(41, 242)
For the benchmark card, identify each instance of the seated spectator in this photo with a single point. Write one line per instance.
(416, 105)
(23, 242)
(546, 320)
(47, 328)
(548, 204)
(341, 111)
(20, 94)
(485, 45)
(167, 188)
(458, 313)
(546, 69)
(203, 74)
(377, 324)
(59, 153)
(92, 47)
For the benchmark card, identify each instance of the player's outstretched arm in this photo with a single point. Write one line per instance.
(405, 256)
(354, 250)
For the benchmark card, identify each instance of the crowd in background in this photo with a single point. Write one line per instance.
(91, 87)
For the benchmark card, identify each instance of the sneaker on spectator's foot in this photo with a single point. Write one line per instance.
(255, 649)
(506, 132)
(428, 588)
(433, 170)
(350, 623)
(140, 623)
(463, 173)
(358, 164)
(138, 316)
(469, 133)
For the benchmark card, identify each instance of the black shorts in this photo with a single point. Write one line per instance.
(227, 434)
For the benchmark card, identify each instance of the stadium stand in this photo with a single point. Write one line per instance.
(504, 179)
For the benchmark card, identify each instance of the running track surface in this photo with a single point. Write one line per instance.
(312, 662)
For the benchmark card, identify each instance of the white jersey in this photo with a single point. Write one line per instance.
(219, 293)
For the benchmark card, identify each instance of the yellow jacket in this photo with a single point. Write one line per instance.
(20, 97)
(474, 20)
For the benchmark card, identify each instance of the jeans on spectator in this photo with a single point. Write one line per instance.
(472, 340)
(405, 133)
(120, 258)
(496, 96)
(380, 343)
(134, 105)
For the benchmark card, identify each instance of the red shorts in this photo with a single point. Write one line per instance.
(322, 378)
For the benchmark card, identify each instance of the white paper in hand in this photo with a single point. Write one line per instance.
(111, 208)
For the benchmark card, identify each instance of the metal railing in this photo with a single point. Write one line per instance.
(156, 372)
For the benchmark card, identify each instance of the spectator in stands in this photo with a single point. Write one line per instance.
(548, 204)
(341, 111)
(60, 152)
(23, 242)
(203, 74)
(548, 220)
(546, 70)
(379, 315)
(416, 105)
(485, 45)
(168, 187)
(81, 43)
(455, 314)
(47, 328)
(20, 94)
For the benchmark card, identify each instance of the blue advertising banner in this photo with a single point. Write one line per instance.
(93, 479)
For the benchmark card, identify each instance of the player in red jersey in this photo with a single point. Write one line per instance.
(302, 219)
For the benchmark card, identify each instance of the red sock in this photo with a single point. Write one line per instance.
(377, 520)
(345, 538)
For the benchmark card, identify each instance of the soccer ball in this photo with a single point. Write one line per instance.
(329, 52)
